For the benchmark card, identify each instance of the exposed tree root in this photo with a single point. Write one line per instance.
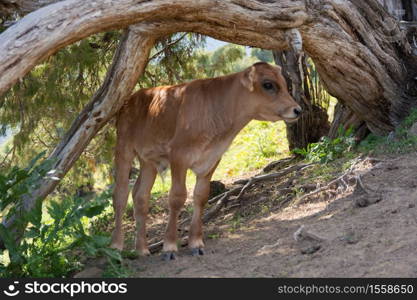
(341, 181)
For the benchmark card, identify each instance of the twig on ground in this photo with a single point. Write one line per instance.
(229, 193)
(221, 200)
(286, 171)
(370, 197)
(364, 188)
(216, 208)
(334, 181)
(155, 247)
(281, 173)
(302, 233)
(275, 164)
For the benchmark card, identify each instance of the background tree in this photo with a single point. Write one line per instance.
(305, 86)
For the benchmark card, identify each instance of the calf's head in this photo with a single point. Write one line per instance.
(267, 94)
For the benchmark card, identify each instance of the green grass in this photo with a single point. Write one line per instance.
(256, 145)
(400, 141)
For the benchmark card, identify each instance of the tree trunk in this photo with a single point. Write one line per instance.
(344, 118)
(313, 123)
(358, 49)
(364, 61)
(43, 32)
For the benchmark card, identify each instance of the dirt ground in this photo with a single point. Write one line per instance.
(379, 240)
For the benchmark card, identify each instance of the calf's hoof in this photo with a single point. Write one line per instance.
(197, 251)
(170, 255)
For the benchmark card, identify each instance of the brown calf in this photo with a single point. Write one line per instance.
(189, 126)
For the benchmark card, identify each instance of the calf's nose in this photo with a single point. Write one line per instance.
(298, 111)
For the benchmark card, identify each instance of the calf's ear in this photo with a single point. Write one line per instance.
(278, 69)
(248, 78)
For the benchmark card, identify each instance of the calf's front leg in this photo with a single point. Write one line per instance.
(200, 197)
(176, 198)
(141, 195)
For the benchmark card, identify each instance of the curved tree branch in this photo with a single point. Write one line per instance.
(44, 31)
(360, 52)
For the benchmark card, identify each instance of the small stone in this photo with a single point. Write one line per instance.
(365, 200)
(311, 249)
(351, 237)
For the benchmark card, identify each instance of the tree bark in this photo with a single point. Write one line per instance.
(345, 118)
(43, 32)
(364, 61)
(128, 64)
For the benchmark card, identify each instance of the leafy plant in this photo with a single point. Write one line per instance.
(50, 247)
(328, 149)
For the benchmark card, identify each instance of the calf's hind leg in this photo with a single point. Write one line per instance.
(123, 162)
(141, 194)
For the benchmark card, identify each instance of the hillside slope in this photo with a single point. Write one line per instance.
(345, 231)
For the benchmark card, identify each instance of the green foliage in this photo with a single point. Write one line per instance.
(18, 182)
(172, 60)
(185, 60)
(263, 55)
(221, 62)
(328, 149)
(41, 107)
(47, 247)
(400, 141)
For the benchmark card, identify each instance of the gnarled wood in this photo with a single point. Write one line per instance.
(361, 55)
(43, 32)
(313, 123)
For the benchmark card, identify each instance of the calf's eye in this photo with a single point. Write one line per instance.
(268, 85)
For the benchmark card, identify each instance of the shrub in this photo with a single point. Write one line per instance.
(328, 149)
(51, 247)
